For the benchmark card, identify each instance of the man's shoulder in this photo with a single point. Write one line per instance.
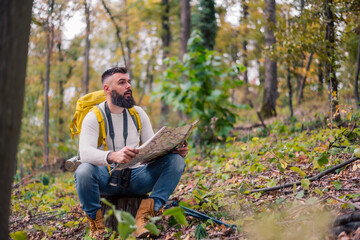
(139, 110)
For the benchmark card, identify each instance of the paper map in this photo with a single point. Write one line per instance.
(163, 142)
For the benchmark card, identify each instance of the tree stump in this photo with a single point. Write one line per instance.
(127, 204)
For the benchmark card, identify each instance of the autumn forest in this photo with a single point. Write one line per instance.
(274, 85)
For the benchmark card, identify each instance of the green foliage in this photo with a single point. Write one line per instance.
(357, 152)
(178, 214)
(19, 235)
(200, 232)
(199, 87)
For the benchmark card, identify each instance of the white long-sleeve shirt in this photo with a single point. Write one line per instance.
(91, 153)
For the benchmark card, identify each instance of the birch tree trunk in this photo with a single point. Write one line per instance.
(49, 47)
(15, 18)
(245, 8)
(87, 49)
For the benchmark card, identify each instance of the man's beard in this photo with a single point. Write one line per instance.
(120, 101)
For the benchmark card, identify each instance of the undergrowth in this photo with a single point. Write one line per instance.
(219, 184)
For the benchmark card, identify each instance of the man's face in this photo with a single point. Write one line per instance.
(119, 86)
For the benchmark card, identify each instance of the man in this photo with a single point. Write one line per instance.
(92, 176)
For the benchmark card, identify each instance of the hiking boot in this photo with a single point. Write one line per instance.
(97, 227)
(145, 211)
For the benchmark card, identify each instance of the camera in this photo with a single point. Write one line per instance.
(72, 164)
(124, 175)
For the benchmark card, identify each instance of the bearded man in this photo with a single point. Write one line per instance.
(93, 178)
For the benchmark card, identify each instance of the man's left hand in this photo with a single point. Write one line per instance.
(182, 150)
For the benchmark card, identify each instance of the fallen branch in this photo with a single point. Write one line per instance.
(347, 202)
(256, 125)
(316, 177)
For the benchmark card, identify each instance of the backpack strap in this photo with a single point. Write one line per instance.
(136, 119)
(102, 128)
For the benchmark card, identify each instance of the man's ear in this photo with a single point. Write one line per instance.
(107, 88)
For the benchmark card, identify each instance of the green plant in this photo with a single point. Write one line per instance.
(126, 222)
(199, 87)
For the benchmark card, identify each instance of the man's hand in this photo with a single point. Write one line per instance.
(182, 150)
(124, 155)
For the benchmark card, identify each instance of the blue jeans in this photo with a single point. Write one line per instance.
(160, 178)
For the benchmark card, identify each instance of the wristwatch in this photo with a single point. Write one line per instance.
(108, 158)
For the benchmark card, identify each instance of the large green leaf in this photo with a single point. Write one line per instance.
(178, 214)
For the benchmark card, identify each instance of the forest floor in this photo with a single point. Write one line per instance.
(221, 181)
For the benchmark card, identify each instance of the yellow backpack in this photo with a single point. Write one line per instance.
(88, 103)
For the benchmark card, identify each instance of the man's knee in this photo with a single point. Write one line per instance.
(177, 162)
(85, 171)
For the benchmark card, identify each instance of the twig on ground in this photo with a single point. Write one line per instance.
(316, 177)
(42, 217)
(357, 207)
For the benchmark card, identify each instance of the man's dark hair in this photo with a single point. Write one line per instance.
(112, 71)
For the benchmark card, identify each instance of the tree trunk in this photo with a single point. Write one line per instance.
(268, 108)
(288, 78)
(166, 38)
(245, 8)
(185, 28)
(127, 204)
(320, 79)
(207, 24)
(87, 49)
(166, 34)
(60, 134)
(330, 62)
(356, 90)
(49, 47)
(15, 18)
(302, 84)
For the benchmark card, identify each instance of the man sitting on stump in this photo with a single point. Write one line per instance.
(93, 178)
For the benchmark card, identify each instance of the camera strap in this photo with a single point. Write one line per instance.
(124, 174)
(111, 127)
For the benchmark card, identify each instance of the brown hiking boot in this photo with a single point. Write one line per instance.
(97, 227)
(145, 211)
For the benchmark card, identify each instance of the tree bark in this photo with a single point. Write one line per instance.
(185, 28)
(268, 108)
(60, 135)
(15, 18)
(356, 90)
(302, 84)
(166, 38)
(87, 49)
(245, 8)
(49, 47)
(207, 25)
(320, 79)
(166, 34)
(127, 204)
(330, 70)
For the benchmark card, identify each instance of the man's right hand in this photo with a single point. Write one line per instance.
(124, 155)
